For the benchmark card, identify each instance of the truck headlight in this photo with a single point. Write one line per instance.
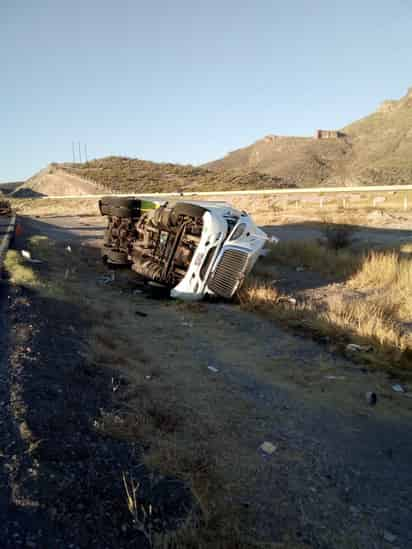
(239, 230)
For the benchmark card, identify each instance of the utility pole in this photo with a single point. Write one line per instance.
(85, 153)
(80, 154)
(73, 152)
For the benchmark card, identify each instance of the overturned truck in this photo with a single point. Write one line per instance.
(190, 248)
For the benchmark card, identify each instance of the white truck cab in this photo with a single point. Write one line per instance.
(192, 248)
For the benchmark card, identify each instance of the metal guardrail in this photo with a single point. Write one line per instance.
(256, 192)
(5, 239)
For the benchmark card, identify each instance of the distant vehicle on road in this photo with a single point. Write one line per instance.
(191, 248)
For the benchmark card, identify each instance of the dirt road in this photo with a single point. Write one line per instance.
(340, 475)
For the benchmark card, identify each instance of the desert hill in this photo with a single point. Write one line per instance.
(56, 181)
(374, 150)
(131, 175)
(382, 143)
(303, 161)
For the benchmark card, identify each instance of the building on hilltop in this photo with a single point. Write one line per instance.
(328, 134)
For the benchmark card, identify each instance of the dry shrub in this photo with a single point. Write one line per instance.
(377, 271)
(337, 236)
(257, 294)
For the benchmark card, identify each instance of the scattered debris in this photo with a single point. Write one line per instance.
(371, 398)
(398, 388)
(68, 248)
(388, 536)
(273, 239)
(300, 269)
(140, 313)
(106, 279)
(213, 369)
(27, 255)
(359, 348)
(137, 291)
(268, 448)
(340, 378)
(115, 385)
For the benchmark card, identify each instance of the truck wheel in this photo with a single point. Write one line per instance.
(191, 210)
(119, 206)
(110, 255)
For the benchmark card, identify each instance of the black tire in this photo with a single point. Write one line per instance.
(190, 210)
(110, 255)
(119, 206)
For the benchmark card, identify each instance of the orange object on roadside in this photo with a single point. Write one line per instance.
(19, 230)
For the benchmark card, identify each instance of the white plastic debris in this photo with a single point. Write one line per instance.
(335, 377)
(273, 239)
(358, 348)
(68, 248)
(213, 369)
(398, 388)
(27, 255)
(106, 279)
(268, 448)
(300, 269)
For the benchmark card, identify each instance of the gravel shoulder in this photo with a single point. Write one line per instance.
(339, 475)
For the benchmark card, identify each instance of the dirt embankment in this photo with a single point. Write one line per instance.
(53, 181)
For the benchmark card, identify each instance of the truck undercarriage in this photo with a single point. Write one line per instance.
(159, 243)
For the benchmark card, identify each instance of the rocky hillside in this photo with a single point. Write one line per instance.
(118, 174)
(374, 150)
(303, 161)
(382, 144)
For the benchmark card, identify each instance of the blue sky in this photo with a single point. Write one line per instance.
(186, 80)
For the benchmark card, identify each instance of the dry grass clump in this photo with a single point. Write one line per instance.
(368, 319)
(389, 276)
(257, 294)
(19, 271)
(374, 316)
(313, 255)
